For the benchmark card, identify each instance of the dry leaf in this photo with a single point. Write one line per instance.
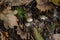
(42, 5)
(18, 2)
(56, 36)
(2, 37)
(9, 19)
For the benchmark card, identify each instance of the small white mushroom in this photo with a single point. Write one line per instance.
(29, 19)
(43, 17)
(27, 24)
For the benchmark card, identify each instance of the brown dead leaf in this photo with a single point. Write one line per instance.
(2, 37)
(1, 2)
(42, 5)
(18, 2)
(56, 36)
(8, 17)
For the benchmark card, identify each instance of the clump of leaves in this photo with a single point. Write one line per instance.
(20, 12)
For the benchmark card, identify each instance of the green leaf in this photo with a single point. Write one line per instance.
(36, 34)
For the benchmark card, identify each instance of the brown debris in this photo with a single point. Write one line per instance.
(43, 5)
(18, 2)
